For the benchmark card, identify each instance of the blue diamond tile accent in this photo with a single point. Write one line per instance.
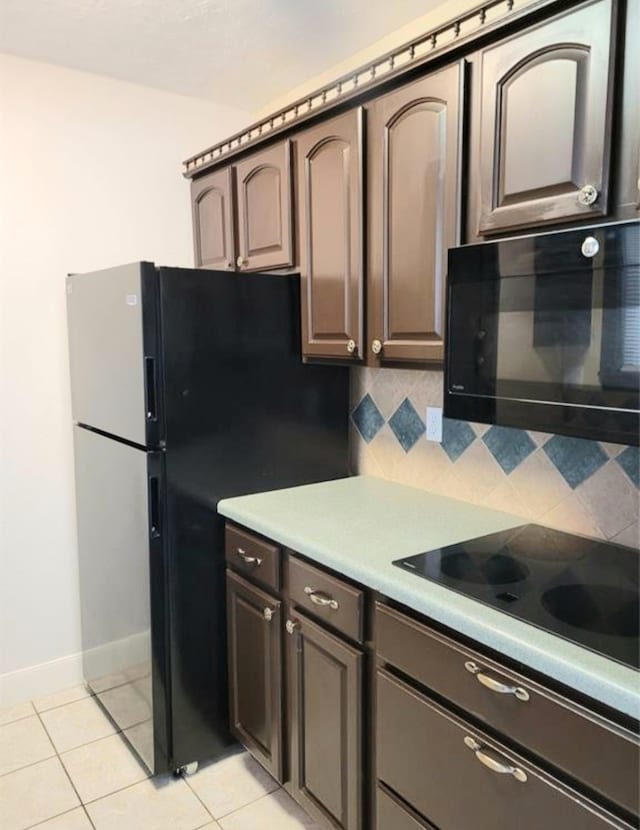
(407, 425)
(576, 459)
(629, 460)
(457, 436)
(508, 446)
(367, 418)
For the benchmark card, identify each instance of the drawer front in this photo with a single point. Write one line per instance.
(326, 598)
(589, 748)
(458, 777)
(392, 815)
(253, 556)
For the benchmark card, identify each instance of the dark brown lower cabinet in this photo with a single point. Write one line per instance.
(458, 777)
(325, 727)
(255, 671)
(393, 815)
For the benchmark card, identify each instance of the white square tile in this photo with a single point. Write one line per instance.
(10, 713)
(572, 517)
(274, 812)
(76, 724)
(23, 742)
(102, 767)
(231, 783)
(127, 705)
(60, 698)
(611, 499)
(34, 794)
(629, 536)
(74, 820)
(158, 804)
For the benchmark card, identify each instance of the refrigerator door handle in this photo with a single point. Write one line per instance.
(154, 507)
(151, 382)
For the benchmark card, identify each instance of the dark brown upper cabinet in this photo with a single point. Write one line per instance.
(330, 208)
(413, 137)
(543, 143)
(213, 227)
(325, 724)
(263, 195)
(254, 638)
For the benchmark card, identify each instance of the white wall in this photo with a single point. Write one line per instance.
(90, 176)
(446, 11)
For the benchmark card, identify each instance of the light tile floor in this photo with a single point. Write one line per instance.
(63, 766)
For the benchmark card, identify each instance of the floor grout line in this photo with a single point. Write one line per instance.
(66, 772)
(185, 779)
(32, 764)
(57, 815)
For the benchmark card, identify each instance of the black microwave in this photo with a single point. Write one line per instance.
(543, 332)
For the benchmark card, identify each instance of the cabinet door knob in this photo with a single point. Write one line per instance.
(588, 195)
(242, 261)
(351, 346)
(291, 626)
(268, 614)
(376, 346)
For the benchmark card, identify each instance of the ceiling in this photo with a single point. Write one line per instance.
(237, 52)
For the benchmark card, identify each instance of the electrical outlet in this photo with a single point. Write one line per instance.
(434, 423)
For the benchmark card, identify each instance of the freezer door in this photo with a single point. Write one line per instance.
(112, 318)
(118, 497)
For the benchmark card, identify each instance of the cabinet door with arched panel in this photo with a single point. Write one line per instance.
(330, 209)
(414, 152)
(543, 147)
(212, 210)
(263, 191)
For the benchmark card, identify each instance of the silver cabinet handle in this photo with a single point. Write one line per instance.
(242, 261)
(496, 685)
(247, 559)
(376, 346)
(588, 195)
(321, 599)
(291, 626)
(493, 761)
(351, 346)
(268, 614)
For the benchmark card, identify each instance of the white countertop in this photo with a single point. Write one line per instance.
(358, 526)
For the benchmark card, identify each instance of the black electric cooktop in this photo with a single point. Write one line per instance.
(581, 589)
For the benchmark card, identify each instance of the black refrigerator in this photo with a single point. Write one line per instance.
(187, 387)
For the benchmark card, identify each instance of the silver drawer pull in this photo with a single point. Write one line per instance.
(321, 599)
(249, 560)
(496, 685)
(493, 761)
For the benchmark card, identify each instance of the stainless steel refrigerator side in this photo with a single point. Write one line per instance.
(119, 525)
(107, 351)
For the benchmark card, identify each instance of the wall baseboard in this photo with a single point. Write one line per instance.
(42, 679)
(65, 672)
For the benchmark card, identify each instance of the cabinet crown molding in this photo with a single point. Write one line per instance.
(482, 19)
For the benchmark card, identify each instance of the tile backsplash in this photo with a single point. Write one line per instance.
(580, 486)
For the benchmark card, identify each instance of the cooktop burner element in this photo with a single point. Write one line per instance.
(581, 589)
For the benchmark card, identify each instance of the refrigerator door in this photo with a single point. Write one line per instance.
(243, 414)
(112, 318)
(119, 497)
